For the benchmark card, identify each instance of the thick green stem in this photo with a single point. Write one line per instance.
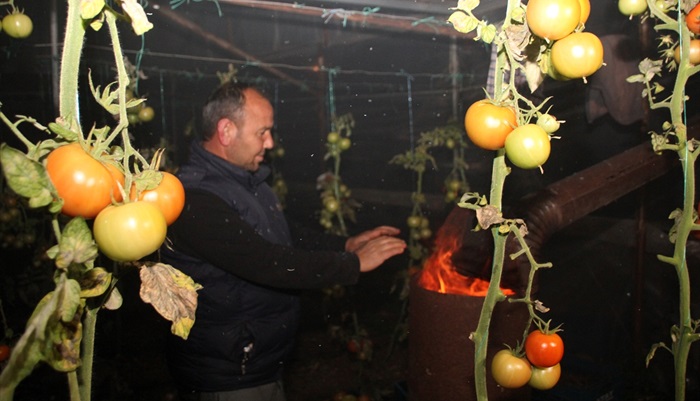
(70, 65)
(73, 386)
(88, 352)
(685, 335)
(494, 293)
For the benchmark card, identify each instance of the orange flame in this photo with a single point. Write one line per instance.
(439, 273)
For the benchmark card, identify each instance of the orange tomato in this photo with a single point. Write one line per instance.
(553, 19)
(488, 124)
(85, 184)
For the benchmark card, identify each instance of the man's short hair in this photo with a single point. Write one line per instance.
(227, 101)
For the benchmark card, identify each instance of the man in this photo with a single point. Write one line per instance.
(234, 240)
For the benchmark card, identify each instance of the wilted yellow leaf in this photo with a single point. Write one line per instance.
(172, 293)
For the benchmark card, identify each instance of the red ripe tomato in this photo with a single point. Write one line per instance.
(544, 349)
(553, 19)
(578, 55)
(693, 52)
(545, 378)
(85, 184)
(509, 370)
(4, 352)
(129, 232)
(528, 146)
(488, 124)
(692, 20)
(169, 196)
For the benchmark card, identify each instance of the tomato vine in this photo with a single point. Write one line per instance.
(674, 137)
(61, 331)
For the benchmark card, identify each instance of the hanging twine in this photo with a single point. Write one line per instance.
(331, 96)
(409, 79)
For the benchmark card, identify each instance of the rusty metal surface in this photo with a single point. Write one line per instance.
(441, 355)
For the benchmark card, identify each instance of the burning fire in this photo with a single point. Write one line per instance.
(439, 273)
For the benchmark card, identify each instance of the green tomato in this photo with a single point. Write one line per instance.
(548, 123)
(345, 143)
(413, 221)
(129, 232)
(528, 146)
(332, 137)
(632, 7)
(509, 370)
(545, 378)
(146, 114)
(17, 25)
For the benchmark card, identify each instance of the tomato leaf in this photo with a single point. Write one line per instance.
(462, 22)
(488, 216)
(487, 33)
(95, 282)
(28, 178)
(90, 8)
(76, 244)
(172, 293)
(59, 128)
(467, 4)
(114, 301)
(36, 343)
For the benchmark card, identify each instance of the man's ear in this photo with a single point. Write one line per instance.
(225, 131)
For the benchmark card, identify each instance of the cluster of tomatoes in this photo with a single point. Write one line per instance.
(539, 367)
(492, 126)
(361, 347)
(571, 52)
(419, 226)
(17, 24)
(93, 189)
(692, 21)
(141, 113)
(334, 202)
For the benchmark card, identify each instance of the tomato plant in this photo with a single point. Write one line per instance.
(17, 25)
(130, 231)
(545, 378)
(509, 370)
(85, 184)
(169, 196)
(692, 20)
(632, 7)
(693, 52)
(4, 352)
(578, 55)
(488, 124)
(544, 349)
(528, 146)
(553, 19)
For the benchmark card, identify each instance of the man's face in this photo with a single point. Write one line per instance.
(254, 133)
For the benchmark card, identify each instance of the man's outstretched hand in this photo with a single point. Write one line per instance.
(375, 246)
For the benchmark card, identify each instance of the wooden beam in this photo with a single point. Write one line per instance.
(224, 44)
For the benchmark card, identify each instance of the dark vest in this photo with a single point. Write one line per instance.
(243, 332)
